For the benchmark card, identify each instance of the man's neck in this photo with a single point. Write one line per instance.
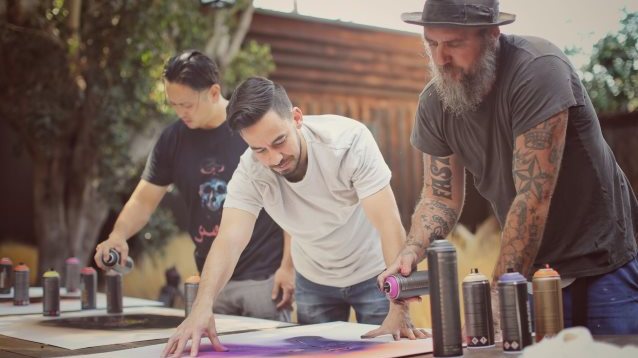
(218, 117)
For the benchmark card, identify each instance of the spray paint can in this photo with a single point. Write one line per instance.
(113, 262)
(515, 322)
(51, 293)
(113, 292)
(398, 287)
(88, 284)
(72, 274)
(21, 285)
(477, 302)
(444, 299)
(6, 275)
(191, 285)
(548, 303)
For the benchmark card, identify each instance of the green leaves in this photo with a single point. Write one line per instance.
(611, 77)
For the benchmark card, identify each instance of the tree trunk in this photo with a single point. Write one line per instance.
(68, 217)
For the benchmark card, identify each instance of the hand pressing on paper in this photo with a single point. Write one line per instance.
(199, 323)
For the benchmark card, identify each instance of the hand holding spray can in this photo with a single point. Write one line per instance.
(51, 293)
(477, 302)
(113, 261)
(548, 303)
(398, 287)
(444, 300)
(513, 304)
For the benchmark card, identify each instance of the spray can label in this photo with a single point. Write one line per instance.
(21, 285)
(190, 292)
(6, 275)
(477, 303)
(51, 293)
(72, 274)
(399, 287)
(88, 284)
(548, 303)
(444, 299)
(513, 303)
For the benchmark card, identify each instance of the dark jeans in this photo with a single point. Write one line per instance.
(612, 301)
(318, 303)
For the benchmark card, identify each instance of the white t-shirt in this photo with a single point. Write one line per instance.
(333, 242)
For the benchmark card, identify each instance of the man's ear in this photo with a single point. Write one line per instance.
(297, 117)
(215, 92)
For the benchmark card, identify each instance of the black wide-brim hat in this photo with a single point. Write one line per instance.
(466, 13)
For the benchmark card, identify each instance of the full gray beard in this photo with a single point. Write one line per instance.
(466, 94)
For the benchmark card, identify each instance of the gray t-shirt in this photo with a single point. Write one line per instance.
(593, 217)
(333, 242)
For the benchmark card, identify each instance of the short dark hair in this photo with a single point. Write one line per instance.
(252, 99)
(193, 69)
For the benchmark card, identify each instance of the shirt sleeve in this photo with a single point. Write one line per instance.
(159, 164)
(545, 87)
(370, 173)
(242, 193)
(427, 133)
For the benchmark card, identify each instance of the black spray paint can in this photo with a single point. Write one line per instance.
(6, 275)
(72, 274)
(51, 293)
(191, 285)
(113, 292)
(548, 303)
(88, 285)
(444, 299)
(399, 287)
(21, 285)
(514, 306)
(113, 262)
(477, 303)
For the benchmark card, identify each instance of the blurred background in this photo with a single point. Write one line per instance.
(82, 101)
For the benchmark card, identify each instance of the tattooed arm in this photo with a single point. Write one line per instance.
(537, 159)
(435, 215)
(436, 212)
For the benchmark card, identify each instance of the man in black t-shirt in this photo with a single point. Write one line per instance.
(198, 154)
(512, 111)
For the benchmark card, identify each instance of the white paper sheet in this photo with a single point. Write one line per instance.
(69, 302)
(335, 339)
(28, 327)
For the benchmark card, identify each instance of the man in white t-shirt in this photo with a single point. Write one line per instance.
(324, 181)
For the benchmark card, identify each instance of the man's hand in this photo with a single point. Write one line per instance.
(102, 250)
(200, 322)
(284, 283)
(404, 263)
(398, 324)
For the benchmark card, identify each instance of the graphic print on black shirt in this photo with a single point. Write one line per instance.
(212, 193)
(200, 163)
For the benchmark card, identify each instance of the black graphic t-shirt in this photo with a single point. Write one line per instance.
(200, 163)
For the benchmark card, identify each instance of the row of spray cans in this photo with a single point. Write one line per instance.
(514, 305)
(441, 282)
(84, 280)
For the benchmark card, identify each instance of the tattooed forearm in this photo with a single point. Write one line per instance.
(535, 167)
(432, 220)
(441, 177)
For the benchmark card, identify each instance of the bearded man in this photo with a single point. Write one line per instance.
(513, 112)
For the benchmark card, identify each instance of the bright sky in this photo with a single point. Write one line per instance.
(567, 23)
